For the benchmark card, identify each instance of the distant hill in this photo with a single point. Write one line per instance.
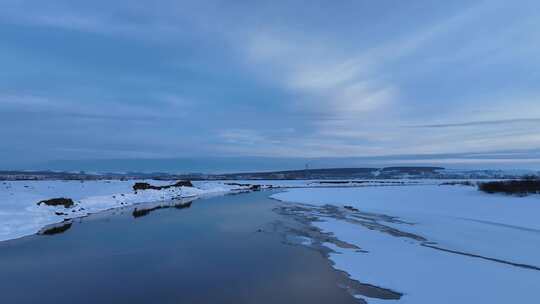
(412, 169)
(395, 172)
(335, 173)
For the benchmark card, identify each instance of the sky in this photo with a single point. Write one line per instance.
(124, 79)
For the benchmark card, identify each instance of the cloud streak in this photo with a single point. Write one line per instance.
(482, 123)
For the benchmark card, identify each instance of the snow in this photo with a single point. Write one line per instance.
(20, 215)
(456, 218)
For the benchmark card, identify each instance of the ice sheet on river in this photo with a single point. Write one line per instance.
(434, 244)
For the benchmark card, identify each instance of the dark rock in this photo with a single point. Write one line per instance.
(66, 202)
(184, 183)
(255, 188)
(146, 186)
(143, 186)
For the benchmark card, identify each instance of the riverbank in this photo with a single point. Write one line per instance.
(20, 214)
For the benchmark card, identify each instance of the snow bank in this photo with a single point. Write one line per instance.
(457, 218)
(21, 216)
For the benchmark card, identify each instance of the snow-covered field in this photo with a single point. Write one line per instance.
(20, 215)
(434, 244)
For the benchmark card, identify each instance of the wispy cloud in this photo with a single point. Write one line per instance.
(47, 107)
(482, 123)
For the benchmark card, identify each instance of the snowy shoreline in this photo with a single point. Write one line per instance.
(420, 240)
(20, 215)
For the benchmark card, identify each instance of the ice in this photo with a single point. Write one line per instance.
(491, 231)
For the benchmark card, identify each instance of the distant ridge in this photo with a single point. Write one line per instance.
(230, 164)
(338, 173)
(417, 172)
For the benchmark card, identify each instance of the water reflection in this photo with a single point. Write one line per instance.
(143, 211)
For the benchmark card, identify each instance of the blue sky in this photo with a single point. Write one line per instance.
(162, 79)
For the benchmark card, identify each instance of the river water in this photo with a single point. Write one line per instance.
(226, 249)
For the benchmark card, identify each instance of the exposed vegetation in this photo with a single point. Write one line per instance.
(514, 187)
(61, 201)
(252, 187)
(146, 186)
(459, 183)
(238, 184)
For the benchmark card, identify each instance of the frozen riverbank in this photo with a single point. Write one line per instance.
(434, 244)
(20, 215)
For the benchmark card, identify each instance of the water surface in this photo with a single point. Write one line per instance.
(219, 250)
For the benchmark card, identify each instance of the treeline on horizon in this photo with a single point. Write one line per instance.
(528, 185)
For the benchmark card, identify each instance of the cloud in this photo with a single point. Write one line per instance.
(482, 123)
(346, 88)
(350, 92)
(24, 101)
(242, 136)
(229, 78)
(55, 107)
(328, 82)
(164, 22)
